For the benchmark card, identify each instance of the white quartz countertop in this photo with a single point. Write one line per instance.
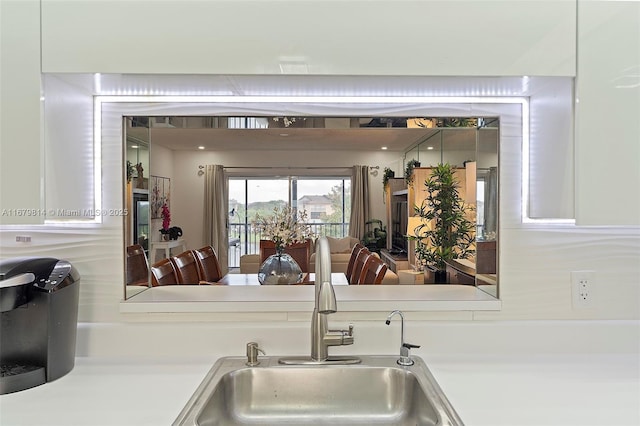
(485, 390)
(277, 298)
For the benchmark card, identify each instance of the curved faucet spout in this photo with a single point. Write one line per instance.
(405, 358)
(388, 321)
(396, 312)
(325, 301)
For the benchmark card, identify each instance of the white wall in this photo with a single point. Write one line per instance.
(68, 149)
(551, 157)
(535, 259)
(188, 187)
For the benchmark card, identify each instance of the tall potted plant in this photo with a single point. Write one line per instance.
(445, 232)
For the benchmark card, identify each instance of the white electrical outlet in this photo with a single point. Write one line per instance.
(582, 289)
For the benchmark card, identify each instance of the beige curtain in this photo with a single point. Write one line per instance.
(216, 217)
(360, 204)
(491, 201)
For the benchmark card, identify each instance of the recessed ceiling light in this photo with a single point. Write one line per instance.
(284, 135)
(201, 147)
(429, 148)
(384, 148)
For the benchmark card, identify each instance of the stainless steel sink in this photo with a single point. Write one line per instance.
(377, 391)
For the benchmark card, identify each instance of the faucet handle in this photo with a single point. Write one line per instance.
(344, 333)
(405, 347)
(405, 358)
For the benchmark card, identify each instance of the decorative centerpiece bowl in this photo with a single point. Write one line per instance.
(284, 228)
(280, 268)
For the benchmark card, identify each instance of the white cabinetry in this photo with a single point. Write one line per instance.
(607, 132)
(21, 170)
(498, 38)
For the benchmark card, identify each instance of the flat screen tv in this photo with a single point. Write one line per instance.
(399, 218)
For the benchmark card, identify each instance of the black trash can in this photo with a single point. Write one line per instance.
(38, 321)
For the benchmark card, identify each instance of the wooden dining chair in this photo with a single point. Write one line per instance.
(208, 264)
(186, 268)
(352, 259)
(137, 266)
(301, 252)
(373, 271)
(163, 272)
(358, 265)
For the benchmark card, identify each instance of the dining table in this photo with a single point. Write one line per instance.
(337, 278)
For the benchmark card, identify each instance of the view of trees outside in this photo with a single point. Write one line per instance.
(327, 202)
(339, 212)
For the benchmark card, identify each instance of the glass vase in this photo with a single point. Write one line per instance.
(279, 269)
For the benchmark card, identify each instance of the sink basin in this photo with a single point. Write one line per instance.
(377, 391)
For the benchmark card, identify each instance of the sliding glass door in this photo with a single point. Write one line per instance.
(326, 200)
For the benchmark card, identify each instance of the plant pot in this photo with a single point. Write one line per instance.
(435, 276)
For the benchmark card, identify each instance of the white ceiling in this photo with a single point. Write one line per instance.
(356, 139)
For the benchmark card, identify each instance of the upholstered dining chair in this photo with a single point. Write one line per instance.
(301, 252)
(373, 271)
(208, 264)
(137, 266)
(186, 268)
(163, 272)
(358, 265)
(352, 259)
